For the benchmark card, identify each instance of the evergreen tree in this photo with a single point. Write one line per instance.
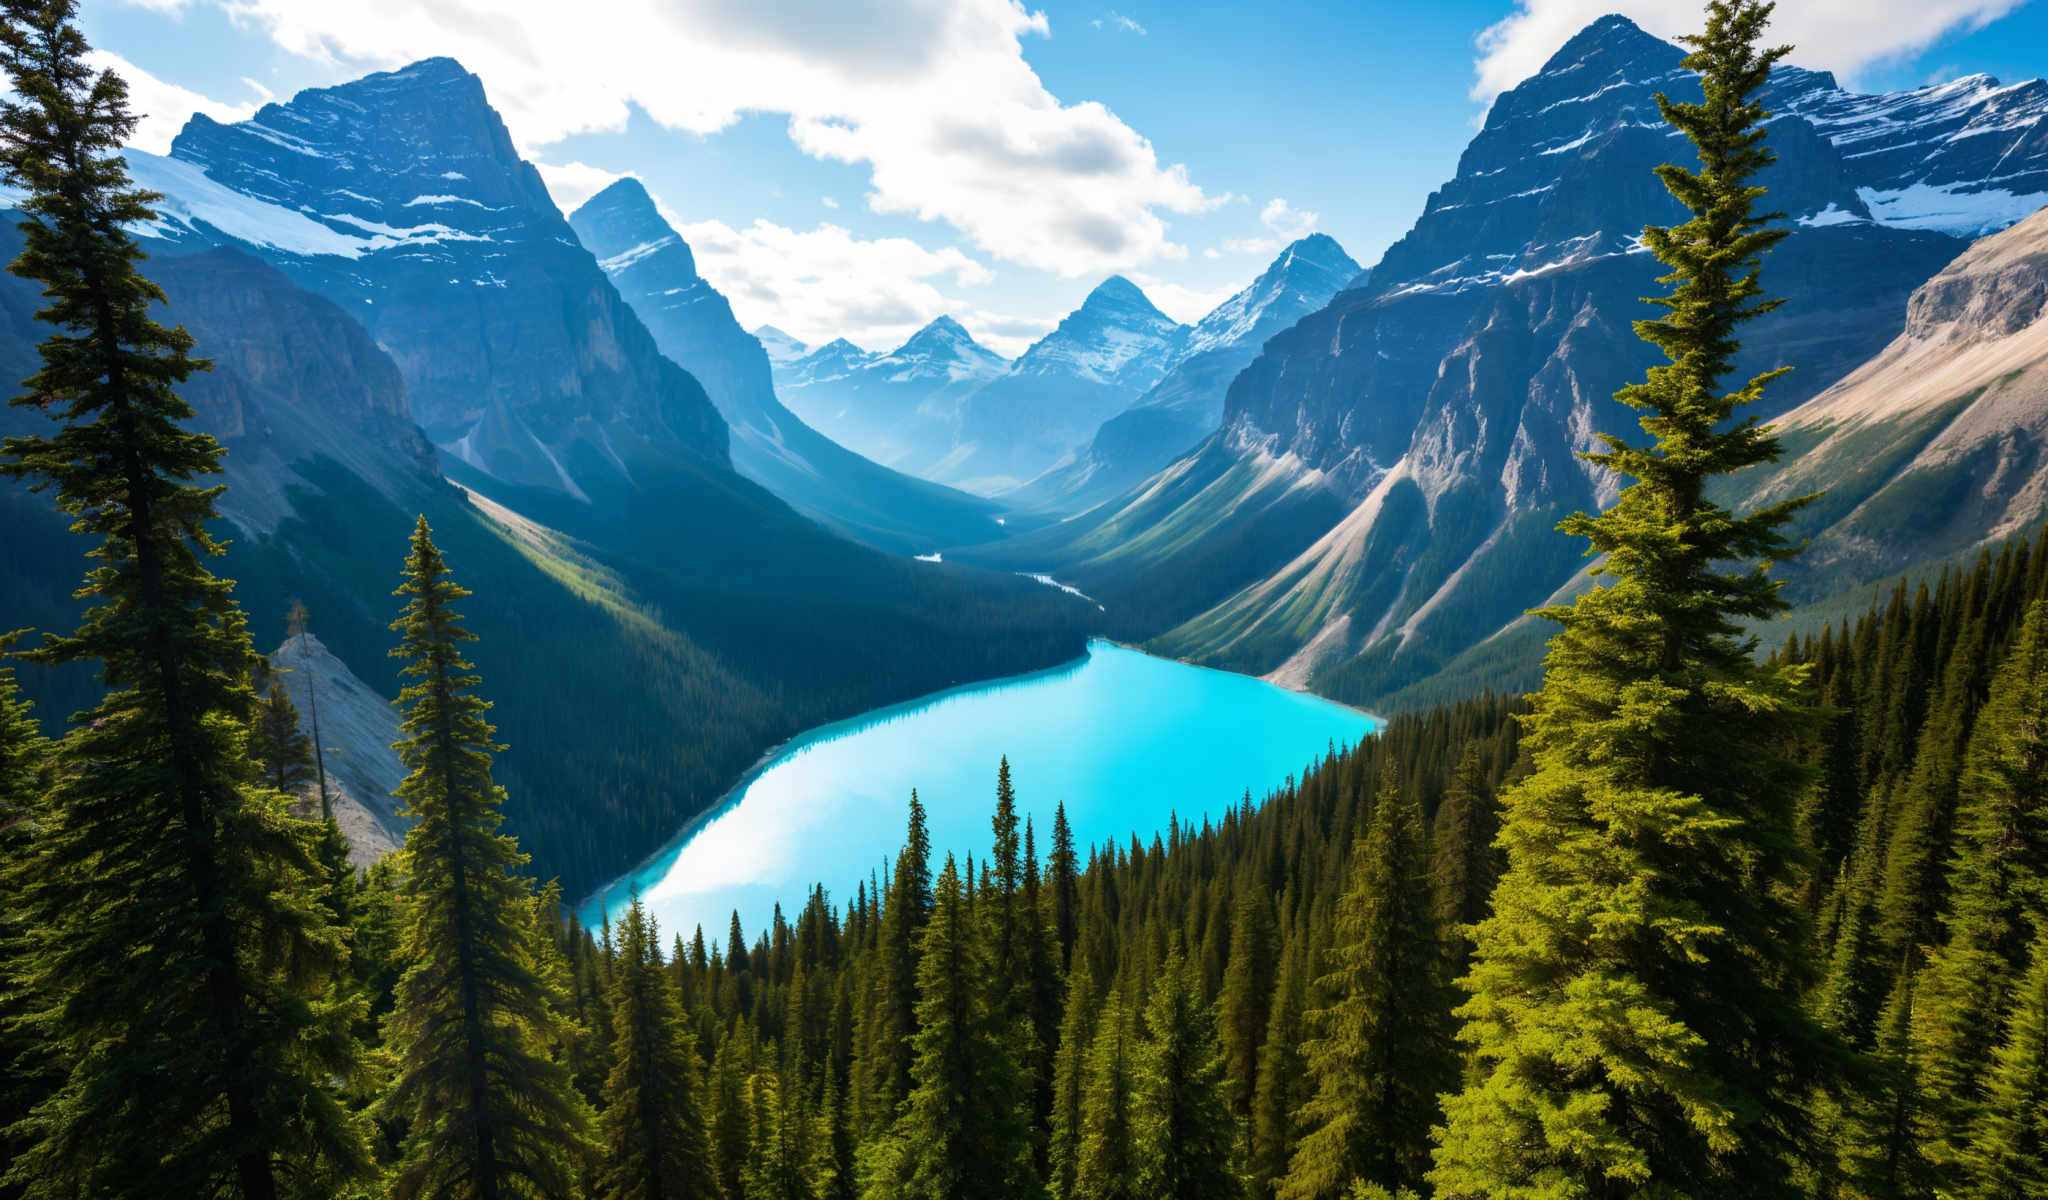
(1245, 1004)
(491, 1110)
(1182, 1133)
(1108, 1164)
(1461, 844)
(1998, 880)
(1069, 1083)
(1063, 881)
(28, 1075)
(2007, 1158)
(1284, 1083)
(965, 1129)
(656, 1145)
(182, 968)
(1382, 1049)
(908, 906)
(280, 751)
(1635, 1013)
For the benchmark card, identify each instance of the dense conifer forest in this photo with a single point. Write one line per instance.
(1692, 920)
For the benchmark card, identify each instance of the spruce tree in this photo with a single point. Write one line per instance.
(28, 1071)
(1998, 883)
(1182, 1134)
(1245, 1004)
(2006, 1158)
(492, 1113)
(1382, 1049)
(1108, 1164)
(1461, 844)
(965, 1128)
(183, 968)
(1635, 1017)
(656, 1145)
(280, 751)
(1069, 1085)
(1063, 881)
(1284, 1083)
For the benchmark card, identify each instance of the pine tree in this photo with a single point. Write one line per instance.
(182, 968)
(1635, 1013)
(280, 751)
(28, 1075)
(492, 1112)
(1107, 1167)
(1284, 1082)
(2007, 1158)
(965, 1129)
(1998, 880)
(1069, 1083)
(886, 1073)
(1063, 881)
(1382, 1049)
(1461, 844)
(1182, 1132)
(1245, 1004)
(656, 1145)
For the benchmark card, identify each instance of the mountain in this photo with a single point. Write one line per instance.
(693, 325)
(649, 620)
(1940, 442)
(401, 197)
(1100, 359)
(781, 347)
(1186, 405)
(901, 408)
(1433, 415)
(357, 735)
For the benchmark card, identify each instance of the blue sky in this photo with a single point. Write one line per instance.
(856, 167)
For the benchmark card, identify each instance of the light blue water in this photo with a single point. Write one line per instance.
(1122, 738)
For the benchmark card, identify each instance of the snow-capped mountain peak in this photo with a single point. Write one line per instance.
(1312, 268)
(781, 347)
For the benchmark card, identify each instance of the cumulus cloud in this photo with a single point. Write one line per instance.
(825, 283)
(1284, 223)
(933, 97)
(1839, 35)
(164, 107)
(1184, 304)
(572, 183)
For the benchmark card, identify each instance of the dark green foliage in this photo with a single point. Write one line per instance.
(1636, 1012)
(2007, 1158)
(281, 753)
(27, 1073)
(1107, 1163)
(1181, 1127)
(655, 1141)
(490, 1109)
(180, 967)
(1381, 1050)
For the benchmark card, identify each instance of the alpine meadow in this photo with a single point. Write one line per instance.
(1553, 708)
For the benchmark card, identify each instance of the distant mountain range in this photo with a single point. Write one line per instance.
(1378, 507)
(901, 408)
(402, 324)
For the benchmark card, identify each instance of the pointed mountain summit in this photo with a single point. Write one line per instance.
(899, 408)
(781, 347)
(1186, 405)
(1102, 357)
(693, 324)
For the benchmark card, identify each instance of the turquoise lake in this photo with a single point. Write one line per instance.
(1122, 738)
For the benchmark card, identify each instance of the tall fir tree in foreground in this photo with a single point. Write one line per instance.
(180, 968)
(1635, 1019)
(489, 1107)
(655, 1141)
(1382, 1049)
(1181, 1125)
(28, 1071)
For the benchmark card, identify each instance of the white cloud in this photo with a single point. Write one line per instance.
(262, 93)
(1839, 35)
(1287, 222)
(1184, 304)
(163, 107)
(825, 283)
(572, 183)
(1115, 20)
(828, 202)
(933, 97)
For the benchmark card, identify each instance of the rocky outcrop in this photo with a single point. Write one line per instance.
(358, 733)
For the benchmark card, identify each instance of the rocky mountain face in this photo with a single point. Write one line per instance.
(358, 729)
(1940, 442)
(901, 408)
(400, 197)
(1186, 405)
(694, 326)
(1100, 359)
(1440, 406)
